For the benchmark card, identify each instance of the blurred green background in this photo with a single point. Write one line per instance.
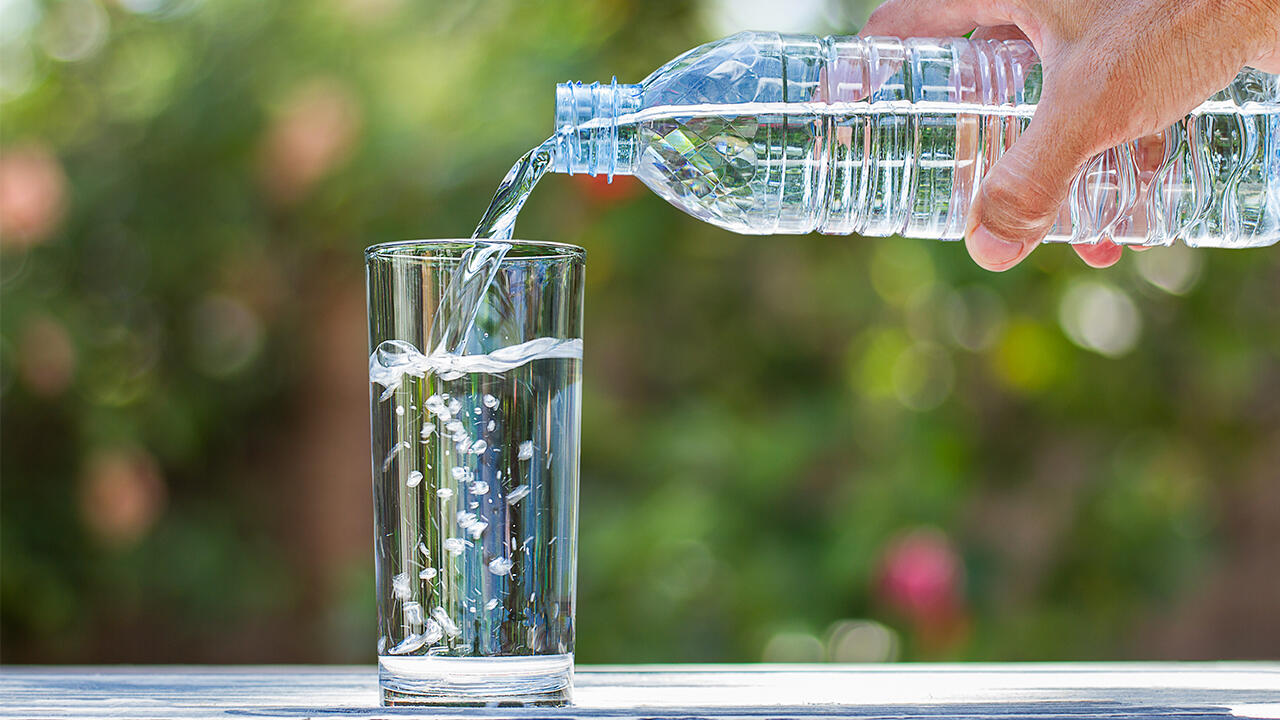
(795, 448)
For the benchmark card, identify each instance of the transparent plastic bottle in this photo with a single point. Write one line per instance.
(764, 133)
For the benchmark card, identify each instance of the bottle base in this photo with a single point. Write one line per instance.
(530, 680)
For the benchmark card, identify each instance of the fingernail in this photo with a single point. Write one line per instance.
(991, 250)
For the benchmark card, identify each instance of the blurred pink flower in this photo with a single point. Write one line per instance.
(121, 495)
(313, 134)
(920, 575)
(46, 356)
(33, 193)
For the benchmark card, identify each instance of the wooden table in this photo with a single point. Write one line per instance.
(1123, 690)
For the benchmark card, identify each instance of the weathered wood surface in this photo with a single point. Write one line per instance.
(1125, 690)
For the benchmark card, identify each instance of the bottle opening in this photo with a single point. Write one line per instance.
(592, 140)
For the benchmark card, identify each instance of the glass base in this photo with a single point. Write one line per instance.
(499, 681)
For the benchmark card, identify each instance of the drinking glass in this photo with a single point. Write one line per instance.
(475, 375)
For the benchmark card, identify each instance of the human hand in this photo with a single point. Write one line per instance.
(1114, 71)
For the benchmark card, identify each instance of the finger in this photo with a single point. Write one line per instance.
(937, 18)
(1103, 254)
(1021, 194)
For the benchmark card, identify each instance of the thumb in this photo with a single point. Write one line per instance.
(1021, 194)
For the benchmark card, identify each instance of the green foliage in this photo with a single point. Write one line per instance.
(765, 418)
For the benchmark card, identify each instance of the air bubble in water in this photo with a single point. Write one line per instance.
(500, 566)
(391, 456)
(517, 494)
(455, 546)
(435, 405)
(428, 429)
(476, 529)
(427, 573)
(413, 479)
(526, 450)
(444, 493)
(491, 604)
(445, 621)
(490, 401)
(478, 447)
(454, 406)
(413, 613)
(399, 410)
(400, 586)
(460, 473)
(430, 633)
(479, 487)
(492, 424)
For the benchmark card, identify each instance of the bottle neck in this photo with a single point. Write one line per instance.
(591, 138)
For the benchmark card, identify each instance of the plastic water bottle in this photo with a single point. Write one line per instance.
(765, 133)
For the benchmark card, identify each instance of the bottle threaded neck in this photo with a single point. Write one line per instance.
(592, 140)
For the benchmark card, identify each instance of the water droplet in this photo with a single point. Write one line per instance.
(400, 410)
(427, 573)
(477, 529)
(492, 424)
(500, 566)
(478, 447)
(444, 493)
(460, 474)
(413, 479)
(428, 429)
(454, 406)
(517, 494)
(491, 604)
(455, 546)
(526, 450)
(490, 401)
(479, 487)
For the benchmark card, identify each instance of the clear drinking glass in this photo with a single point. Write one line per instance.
(475, 388)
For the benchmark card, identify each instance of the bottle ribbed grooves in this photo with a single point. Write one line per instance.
(587, 119)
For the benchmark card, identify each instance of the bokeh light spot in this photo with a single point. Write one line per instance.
(1174, 269)
(861, 641)
(226, 335)
(923, 376)
(1099, 317)
(1028, 357)
(46, 357)
(792, 646)
(975, 317)
(74, 30)
(121, 496)
(32, 195)
(899, 269)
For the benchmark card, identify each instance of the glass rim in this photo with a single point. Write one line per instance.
(427, 250)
